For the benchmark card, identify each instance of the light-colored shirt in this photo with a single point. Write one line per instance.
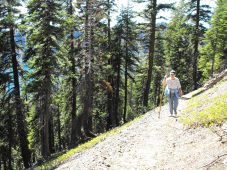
(173, 84)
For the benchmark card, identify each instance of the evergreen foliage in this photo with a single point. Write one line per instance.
(77, 76)
(213, 52)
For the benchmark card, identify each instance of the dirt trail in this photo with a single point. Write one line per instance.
(153, 143)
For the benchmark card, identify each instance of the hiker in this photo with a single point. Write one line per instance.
(172, 91)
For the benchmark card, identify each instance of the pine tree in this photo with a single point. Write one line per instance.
(44, 32)
(196, 43)
(151, 14)
(72, 52)
(128, 50)
(153, 11)
(89, 61)
(183, 39)
(159, 66)
(117, 58)
(213, 53)
(197, 13)
(9, 14)
(178, 47)
(5, 93)
(113, 116)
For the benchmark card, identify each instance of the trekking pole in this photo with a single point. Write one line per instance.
(161, 97)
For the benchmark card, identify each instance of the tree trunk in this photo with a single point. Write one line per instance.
(126, 85)
(112, 122)
(88, 105)
(45, 118)
(45, 102)
(79, 125)
(126, 72)
(74, 82)
(10, 136)
(151, 54)
(51, 135)
(21, 125)
(117, 98)
(214, 47)
(131, 95)
(196, 45)
(212, 66)
(4, 161)
(0, 162)
(88, 98)
(118, 79)
(59, 130)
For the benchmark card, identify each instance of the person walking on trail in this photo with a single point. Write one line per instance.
(172, 91)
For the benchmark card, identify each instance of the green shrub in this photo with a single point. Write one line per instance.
(205, 111)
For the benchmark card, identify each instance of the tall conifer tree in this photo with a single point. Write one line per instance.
(44, 32)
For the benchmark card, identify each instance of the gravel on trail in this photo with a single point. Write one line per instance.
(152, 143)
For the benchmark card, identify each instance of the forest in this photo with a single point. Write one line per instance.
(67, 75)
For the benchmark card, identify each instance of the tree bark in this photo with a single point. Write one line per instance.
(51, 135)
(126, 72)
(196, 45)
(117, 93)
(126, 86)
(4, 161)
(88, 98)
(214, 46)
(45, 117)
(112, 122)
(79, 125)
(21, 125)
(10, 136)
(45, 100)
(117, 70)
(151, 54)
(74, 83)
(59, 130)
(88, 105)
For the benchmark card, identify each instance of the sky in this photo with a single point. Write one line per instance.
(139, 7)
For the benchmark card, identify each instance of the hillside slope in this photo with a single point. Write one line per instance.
(153, 143)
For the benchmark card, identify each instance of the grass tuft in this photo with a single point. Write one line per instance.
(205, 111)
